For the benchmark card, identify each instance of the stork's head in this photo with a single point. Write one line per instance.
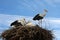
(45, 10)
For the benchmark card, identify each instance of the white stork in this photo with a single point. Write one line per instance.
(17, 23)
(40, 16)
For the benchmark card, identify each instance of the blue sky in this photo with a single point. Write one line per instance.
(30, 7)
(11, 10)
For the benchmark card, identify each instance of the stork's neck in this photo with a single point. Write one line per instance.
(44, 12)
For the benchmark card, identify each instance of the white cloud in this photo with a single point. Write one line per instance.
(55, 21)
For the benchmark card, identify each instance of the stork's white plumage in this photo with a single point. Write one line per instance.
(44, 13)
(13, 26)
(23, 21)
(30, 24)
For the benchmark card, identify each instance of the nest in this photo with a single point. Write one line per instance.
(27, 33)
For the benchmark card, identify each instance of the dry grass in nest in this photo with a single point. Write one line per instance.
(27, 33)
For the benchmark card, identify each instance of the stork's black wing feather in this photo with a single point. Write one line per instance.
(13, 23)
(16, 23)
(35, 18)
(38, 17)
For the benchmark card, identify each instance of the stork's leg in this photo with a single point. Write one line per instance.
(40, 23)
